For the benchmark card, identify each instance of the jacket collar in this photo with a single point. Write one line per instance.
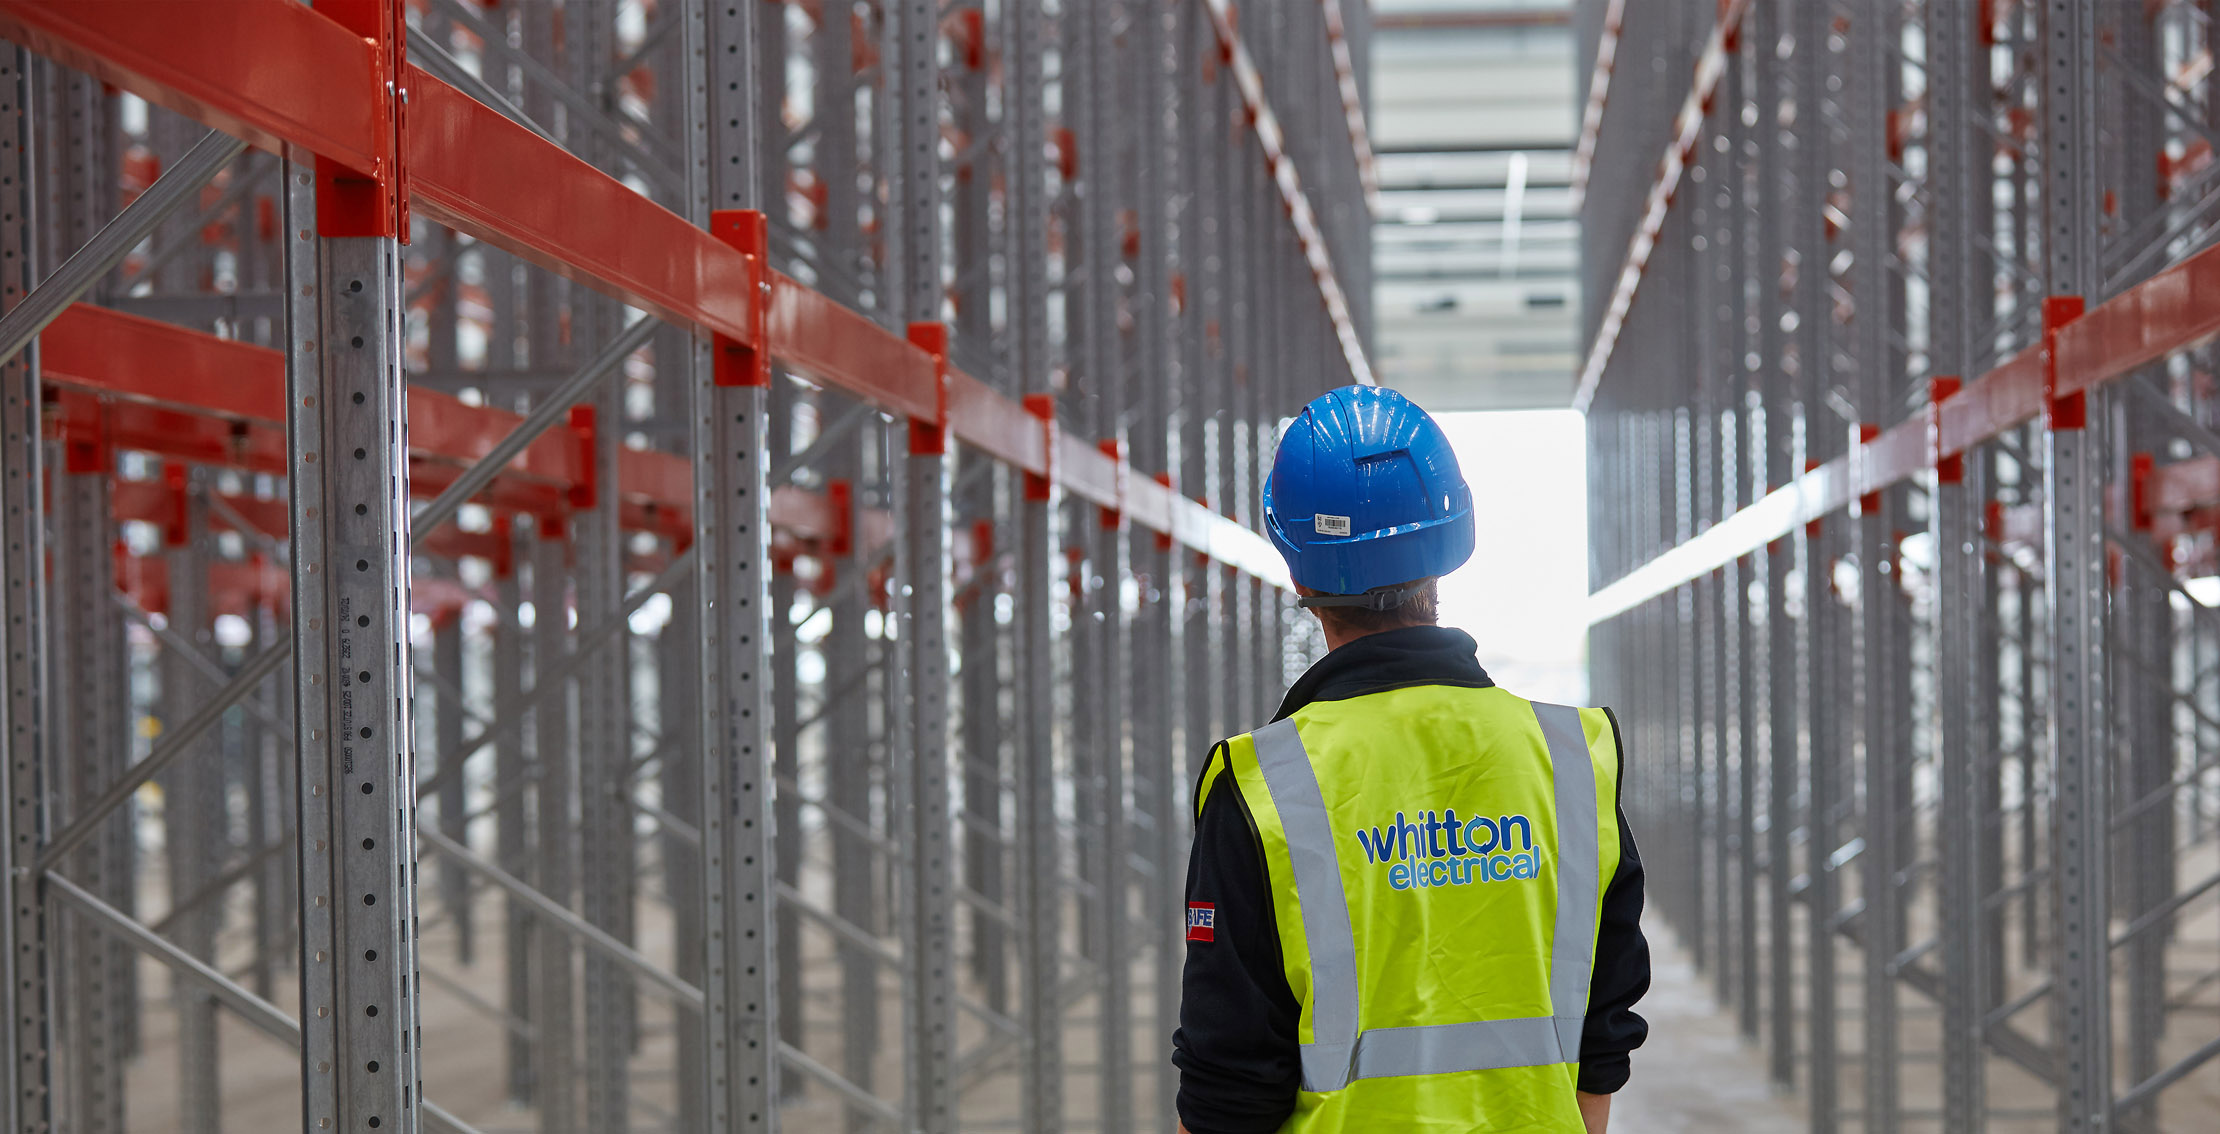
(1391, 659)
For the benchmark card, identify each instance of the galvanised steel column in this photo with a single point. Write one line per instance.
(1956, 178)
(928, 903)
(1155, 767)
(730, 442)
(974, 250)
(193, 812)
(88, 753)
(1772, 438)
(2074, 550)
(606, 839)
(347, 409)
(1884, 653)
(847, 652)
(1040, 903)
(840, 250)
(678, 786)
(447, 723)
(1206, 385)
(1707, 630)
(786, 744)
(268, 827)
(24, 958)
(554, 972)
(554, 735)
(1803, 211)
(1232, 174)
(2144, 615)
(1743, 458)
(514, 767)
(1099, 94)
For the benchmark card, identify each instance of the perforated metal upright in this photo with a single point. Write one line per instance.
(718, 319)
(28, 961)
(1983, 431)
(346, 409)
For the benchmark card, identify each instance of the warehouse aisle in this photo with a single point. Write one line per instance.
(1694, 1074)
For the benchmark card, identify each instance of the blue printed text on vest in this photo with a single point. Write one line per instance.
(1443, 850)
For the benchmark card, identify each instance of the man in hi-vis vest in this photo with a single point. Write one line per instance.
(1413, 904)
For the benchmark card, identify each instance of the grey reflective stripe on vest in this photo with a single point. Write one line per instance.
(1333, 949)
(1338, 1053)
(1573, 943)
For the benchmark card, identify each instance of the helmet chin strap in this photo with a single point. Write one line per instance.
(1379, 598)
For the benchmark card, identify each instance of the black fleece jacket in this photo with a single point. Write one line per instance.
(1236, 1048)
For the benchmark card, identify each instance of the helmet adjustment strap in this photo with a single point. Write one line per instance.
(1380, 598)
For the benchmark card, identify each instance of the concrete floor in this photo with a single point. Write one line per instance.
(1695, 1074)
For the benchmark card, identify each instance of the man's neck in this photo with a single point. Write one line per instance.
(1337, 637)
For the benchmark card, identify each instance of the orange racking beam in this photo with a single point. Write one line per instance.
(1352, 102)
(1688, 126)
(291, 81)
(124, 382)
(1599, 92)
(1292, 200)
(2172, 311)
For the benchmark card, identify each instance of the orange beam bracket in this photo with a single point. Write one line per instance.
(2069, 411)
(1950, 468)
(372, 202)
(930, 437)
(747, 363)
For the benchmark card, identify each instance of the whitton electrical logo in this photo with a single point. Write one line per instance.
(1444, 850)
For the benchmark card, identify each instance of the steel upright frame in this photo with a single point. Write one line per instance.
(1922, 296)
(815, 449)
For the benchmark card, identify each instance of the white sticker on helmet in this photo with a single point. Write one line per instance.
(1330, 525)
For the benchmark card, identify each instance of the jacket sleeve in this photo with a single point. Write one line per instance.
(1236, 1048)
(1622, 970)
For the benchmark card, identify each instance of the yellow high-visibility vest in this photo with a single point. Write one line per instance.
(1437, 857)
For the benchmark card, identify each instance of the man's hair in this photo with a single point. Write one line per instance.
(1422, 608)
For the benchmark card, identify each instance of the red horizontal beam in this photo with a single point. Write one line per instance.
(1352, 101)
(823, 340)
(1599, 92)
(273, 72)
(1293, 201)
(235, 586)
(121, 381)
(2172, 311)
(1687, 132)
(474, 170)
(292, 81)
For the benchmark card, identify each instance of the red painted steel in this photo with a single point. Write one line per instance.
(1292, 198)
(1599, 91)
(2172, 311)
(276, 73)
(237, 586)
(1711, 65)
(289, 80)
(823, 340)
(476, 171)
(995, 425)
(1352, 102)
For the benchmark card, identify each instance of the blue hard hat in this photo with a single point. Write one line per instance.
(1365, 494)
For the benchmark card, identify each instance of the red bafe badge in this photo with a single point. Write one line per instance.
(1202, 921)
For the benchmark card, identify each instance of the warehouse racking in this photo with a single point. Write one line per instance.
(640, 564)
(1903, 446)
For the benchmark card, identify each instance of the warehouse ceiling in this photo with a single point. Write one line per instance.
(1476, 247)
